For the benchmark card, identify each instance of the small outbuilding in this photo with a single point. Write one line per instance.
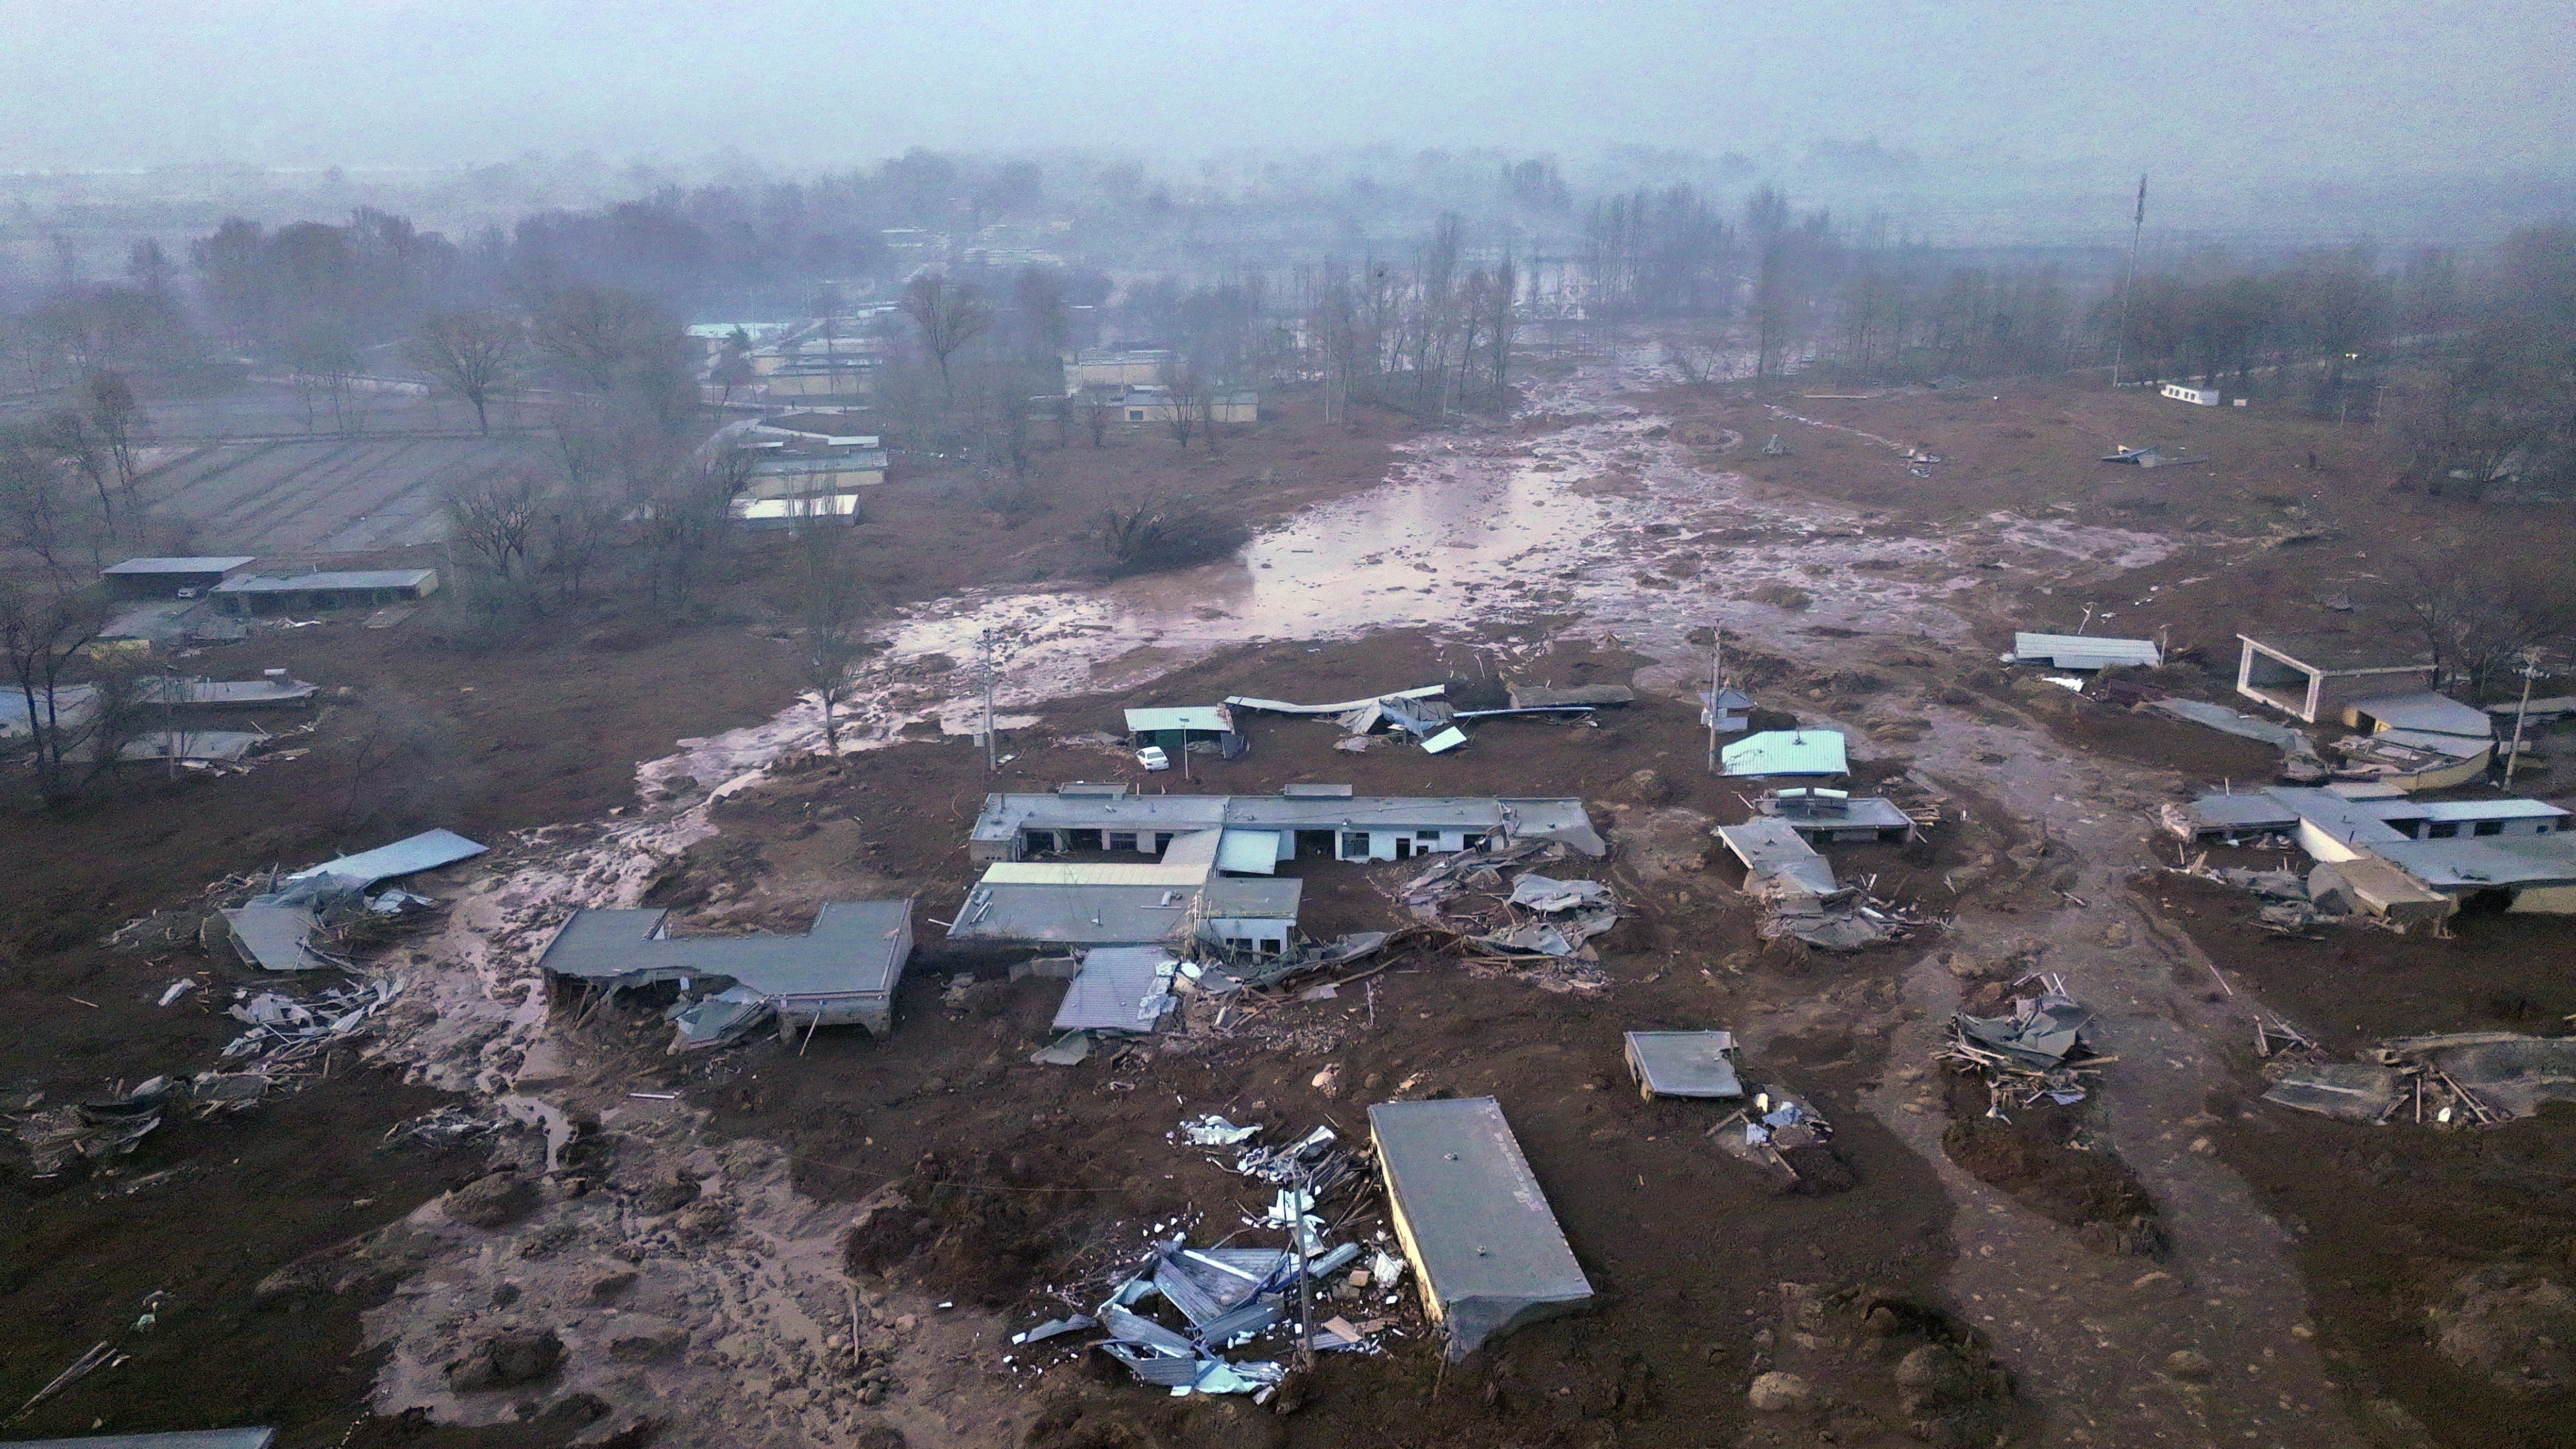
(1472, 1219)
(1728, 710)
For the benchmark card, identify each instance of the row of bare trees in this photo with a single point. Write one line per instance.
(1428, 340)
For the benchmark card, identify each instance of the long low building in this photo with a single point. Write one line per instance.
(1308, 823)
(342, 589)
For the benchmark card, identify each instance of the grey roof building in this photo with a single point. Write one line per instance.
(843, 970)
(1473, 1220)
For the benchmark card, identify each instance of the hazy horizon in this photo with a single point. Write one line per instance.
(2331, 93)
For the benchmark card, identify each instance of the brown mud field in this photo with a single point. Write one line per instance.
(760, 1248)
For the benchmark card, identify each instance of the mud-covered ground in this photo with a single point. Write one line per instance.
(2166, 1261)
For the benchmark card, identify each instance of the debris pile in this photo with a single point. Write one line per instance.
(1500, 912)
(1187, 1319)
(2038, 1051)
(1785, 1136)
(2465, 1079)
(111, 1125)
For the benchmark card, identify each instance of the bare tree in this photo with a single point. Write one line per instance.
(1099, 410)
(575, 528)
(2474, 625)
(66, 434)
(949, 316)
(474, 351)
(830, 602)
(496, 516)
(38, 514)
(114, 412)
(1181, 393)
(618, 344)
(44, 627)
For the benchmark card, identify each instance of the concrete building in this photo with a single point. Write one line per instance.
(1107, 368)
(2314, 676)
(1149, 404)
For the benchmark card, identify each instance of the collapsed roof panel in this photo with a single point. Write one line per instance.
(426, 851)
(1683, 1063)
(1119, 988)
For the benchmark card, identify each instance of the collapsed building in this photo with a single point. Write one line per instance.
(842, 971)
(2405, 861)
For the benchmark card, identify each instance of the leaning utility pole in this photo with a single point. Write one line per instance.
(2137, 229)
(2530, 671)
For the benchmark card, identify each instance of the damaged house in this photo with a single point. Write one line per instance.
(2312, 677)
(842, 971)
(2405, 861)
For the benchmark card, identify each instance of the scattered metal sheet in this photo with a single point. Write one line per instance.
(719, 1020)
(1069, 1050)
(1274, 706)
(1540, 893)
(1444, 741)
(1683, 1063)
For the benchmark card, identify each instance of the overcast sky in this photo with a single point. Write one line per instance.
(2265, 86)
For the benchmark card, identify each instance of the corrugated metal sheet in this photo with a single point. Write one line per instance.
(1473, 1219)
(426, 851)
(274, 936)
(1119, 988)
(2085, 651)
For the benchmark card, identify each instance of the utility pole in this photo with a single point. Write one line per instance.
(2137, 229)
(2530, 671)
(1716, 682)
(992, 762)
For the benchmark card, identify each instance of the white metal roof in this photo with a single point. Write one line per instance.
(1183, 717)
(1253, 852)
(1787, 752)
(2085, 651)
